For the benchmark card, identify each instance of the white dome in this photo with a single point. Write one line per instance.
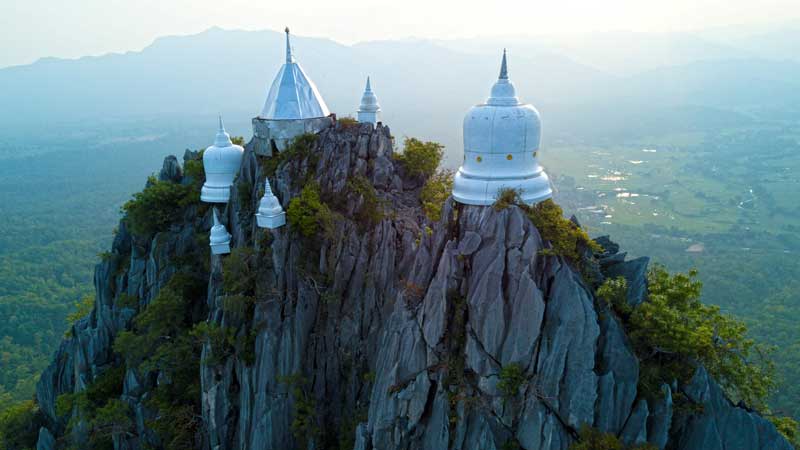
(293, 95)
(221, 163)
(501, 145)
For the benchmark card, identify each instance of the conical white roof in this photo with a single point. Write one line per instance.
(293, 95)
(369, 102)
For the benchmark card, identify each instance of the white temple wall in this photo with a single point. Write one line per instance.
(281, 132)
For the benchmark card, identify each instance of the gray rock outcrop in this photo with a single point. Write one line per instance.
(393, 333)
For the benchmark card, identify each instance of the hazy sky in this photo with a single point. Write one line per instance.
(30, 29)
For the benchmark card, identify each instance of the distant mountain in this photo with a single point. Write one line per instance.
(227, 71)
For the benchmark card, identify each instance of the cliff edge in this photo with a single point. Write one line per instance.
(363, 325)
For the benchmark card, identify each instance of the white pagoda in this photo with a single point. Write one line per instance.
(501, 149)
(219, 238)
(369, 110)
(270, 212)
(221, 163)
(293, 107)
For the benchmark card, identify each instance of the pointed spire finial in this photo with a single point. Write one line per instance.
(504, 67)
(221, 126)
(369, 88)
(267, 187)
(216, 217)
(289, 58)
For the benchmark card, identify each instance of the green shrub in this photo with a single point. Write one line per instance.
(420, 159)
(19, 426)
(788, 428)
(347, 121)
(238, 140)
(160, 204)
(507, 197)
(593, 439)
(308, 214)
(82, 309)
(565, 237)
(370, 213)
(435, 192)
(614, 292)
(194, 170)
(238, 277)
(673, 329)
(512, 377)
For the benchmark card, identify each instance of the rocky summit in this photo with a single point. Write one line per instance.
(374, 327)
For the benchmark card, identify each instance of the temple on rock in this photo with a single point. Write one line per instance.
(501, 149)
(369, 110)
(293, 107)
(221, 163)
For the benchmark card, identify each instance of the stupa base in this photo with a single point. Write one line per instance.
(215, 194)
(484, 191)
(271, 222)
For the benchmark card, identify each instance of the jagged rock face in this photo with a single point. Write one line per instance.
(393, 335)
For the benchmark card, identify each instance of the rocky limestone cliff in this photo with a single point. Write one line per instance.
(394, 333)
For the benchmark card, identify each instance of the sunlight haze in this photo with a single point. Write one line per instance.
(35, 28)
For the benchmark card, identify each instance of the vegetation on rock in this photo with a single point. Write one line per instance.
(593, 439)
(308, 214)
(160, 204)
(420, 159)
(434, 193)
(673, 330)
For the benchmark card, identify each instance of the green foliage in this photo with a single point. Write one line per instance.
(347, 121)
(245, 191)
(238, 277)
(221, 339)
(193, 170)
(370, 213)
(512, 377)
(507, 197)
(19, 426)
(673, 328)
(566, 238)
(788, 428)
(420, 159)
(160, 204)
(614, 292)
(304, 425)
(308, 214)
(434, 193)
(99, 407)
(127, 301)
(238, 140)
(593, 439)
(82, 309)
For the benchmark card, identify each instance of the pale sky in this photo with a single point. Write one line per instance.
(30, 29)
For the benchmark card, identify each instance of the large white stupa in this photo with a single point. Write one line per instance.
(369, 110)
(501, 149)
(221, 163)
(293, 106)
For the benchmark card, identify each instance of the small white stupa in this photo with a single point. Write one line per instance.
(220, 239)
(270, 212)
(501, 149)
(293, 106)
(221, 163)
(370, 110)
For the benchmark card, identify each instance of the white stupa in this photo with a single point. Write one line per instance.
(501, 149)
(293, 106)
(370, 110)
(219, 238)
(221, 163)
(270, 212)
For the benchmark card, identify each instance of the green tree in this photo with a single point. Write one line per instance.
(420, 159)
(434, 193)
